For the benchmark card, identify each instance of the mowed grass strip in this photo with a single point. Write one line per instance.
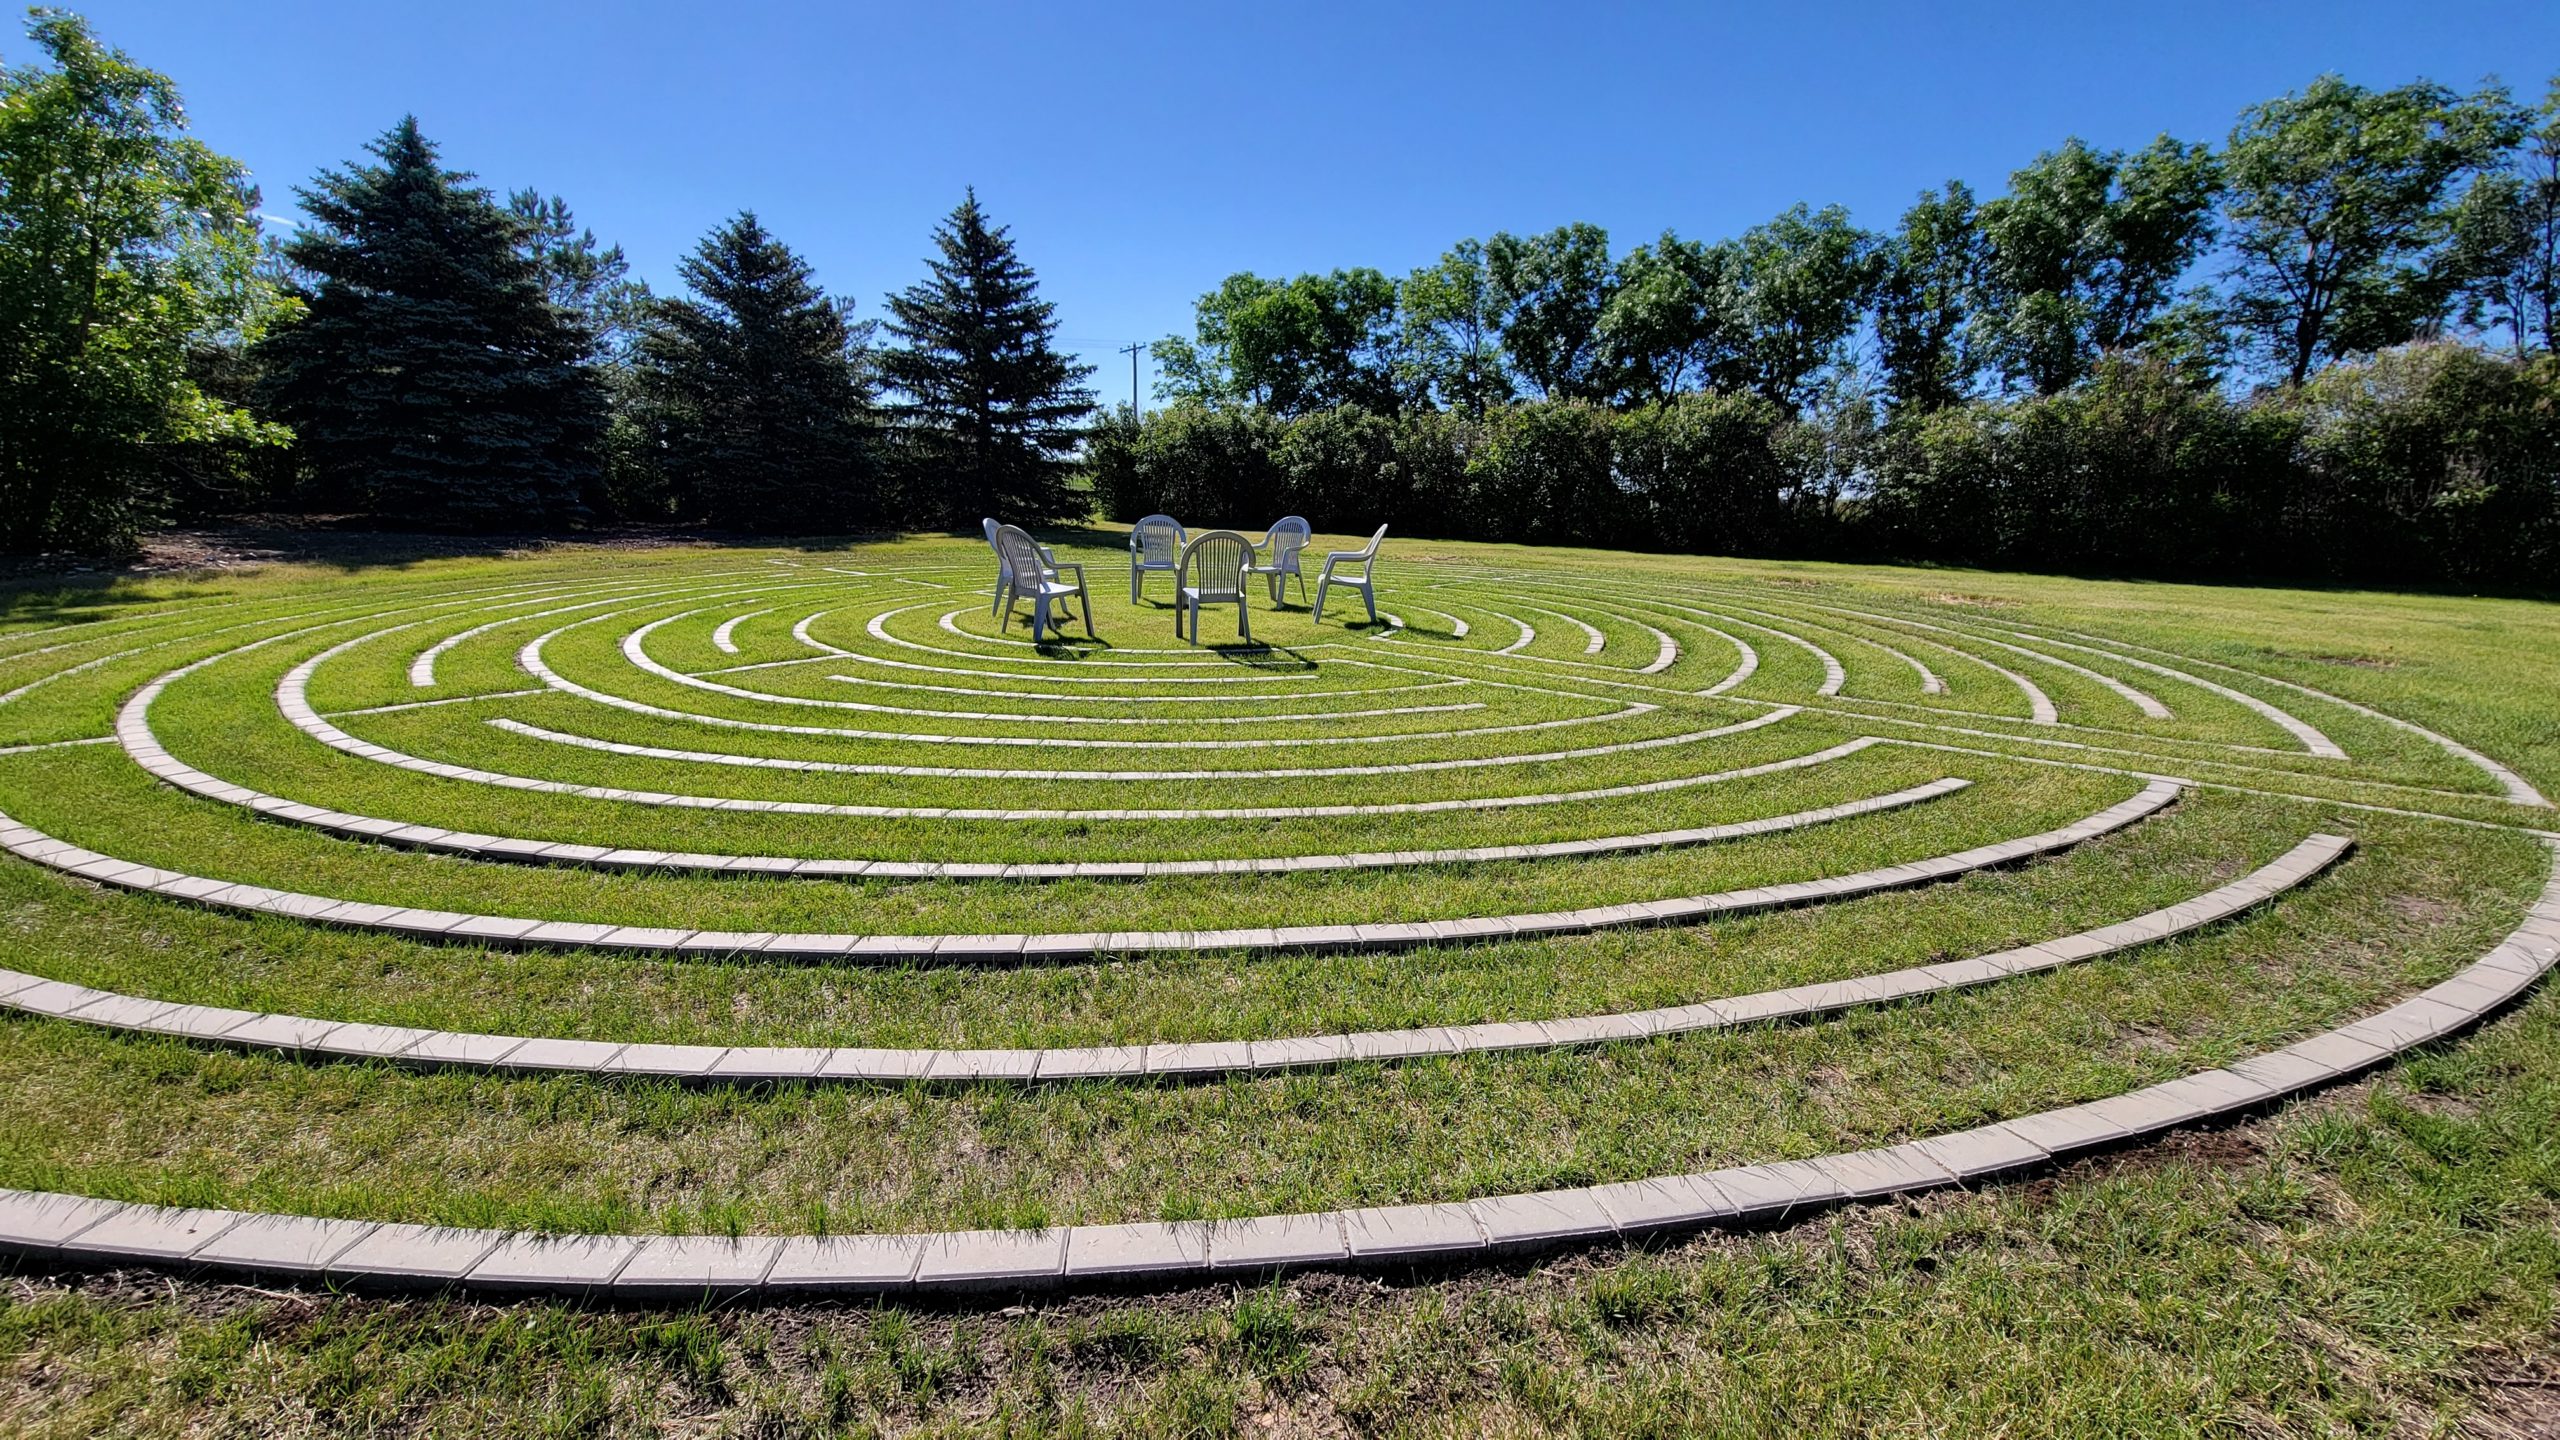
(162, 1121)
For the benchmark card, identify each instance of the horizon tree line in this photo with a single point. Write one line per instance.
(433, 355)
(1966, 385)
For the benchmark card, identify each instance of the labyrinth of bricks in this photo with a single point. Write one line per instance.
(1563, 906)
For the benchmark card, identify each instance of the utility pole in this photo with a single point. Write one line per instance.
(1131, 350)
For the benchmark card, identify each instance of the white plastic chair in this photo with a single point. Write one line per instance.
(1029, 575)
(1155, 543)
(1276, 555)
(1212, 572)
(1366, 582)
(1004, 572)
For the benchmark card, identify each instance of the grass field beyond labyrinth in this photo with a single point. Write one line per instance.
(762, 895)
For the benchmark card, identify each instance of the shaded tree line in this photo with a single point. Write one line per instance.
(431, 354)
(2322, 348)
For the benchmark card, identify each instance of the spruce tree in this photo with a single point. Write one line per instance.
(991, 410)
(433, 380)
(754, 390)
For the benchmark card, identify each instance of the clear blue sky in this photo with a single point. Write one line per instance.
(1142, 151)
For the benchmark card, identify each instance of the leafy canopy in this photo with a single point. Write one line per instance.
(2341, 217)
(123, 245)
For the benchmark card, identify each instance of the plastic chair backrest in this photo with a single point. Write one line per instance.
(1020, 553)
(1287, 537)
(1213, 564)
(1157, 540)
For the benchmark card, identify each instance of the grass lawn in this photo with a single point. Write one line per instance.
(2382, 1258)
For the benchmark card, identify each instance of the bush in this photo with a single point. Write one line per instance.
(1543, 473)
(1703, 473)
(2136, 469)
(2432, 462)
(1212, 468)
(1339, 468)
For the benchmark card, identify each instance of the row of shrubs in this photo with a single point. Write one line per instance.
(2432, 463)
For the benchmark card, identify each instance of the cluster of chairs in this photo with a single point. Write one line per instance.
(1211, 568)
(1215, 567)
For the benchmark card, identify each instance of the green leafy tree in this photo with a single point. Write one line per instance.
(126, 251)
(2341, 213)
(1701, 471)
(432, 378)
(754, 391)
(2083, 254)
(1801, 284)
(1551, 291)
(1451, 342)
(991, 406)
(2508, 236)
(1290, 346)
(1670, 323)
(1929, 278)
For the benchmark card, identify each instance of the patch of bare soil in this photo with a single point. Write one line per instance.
(1972, 602)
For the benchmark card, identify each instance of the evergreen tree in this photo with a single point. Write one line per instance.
(755, 391)
(432, 379)
(992, 409)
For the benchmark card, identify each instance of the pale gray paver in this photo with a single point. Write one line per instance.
(288, 1246)
(1177, 1060)
(1984, 1150)
(1543, 1218)
(669, 1266)
(964, 1259)
(1277, 1242)
(1672, 1202)
(858, 1264)
(34, 1224)
(1396, 1232)
(148, 1233)
(413, 1254)
(1095, 1251)
(555, 1262)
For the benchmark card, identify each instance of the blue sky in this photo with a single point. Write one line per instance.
(1142, 152)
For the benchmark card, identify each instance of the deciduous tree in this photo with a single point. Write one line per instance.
(124, 246)
(1551, 290)
(2084, 252)
(2341, 213)
(1929, 280)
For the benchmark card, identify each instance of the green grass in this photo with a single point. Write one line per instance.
(2364, 1263)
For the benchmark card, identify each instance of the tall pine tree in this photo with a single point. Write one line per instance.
(991, 410)
(755, 391)
(433, 380)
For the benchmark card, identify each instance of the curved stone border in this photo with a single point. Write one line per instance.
(445, 1049)
(409, 835)
(134, 733)
(421, 924)
(72, 1230)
